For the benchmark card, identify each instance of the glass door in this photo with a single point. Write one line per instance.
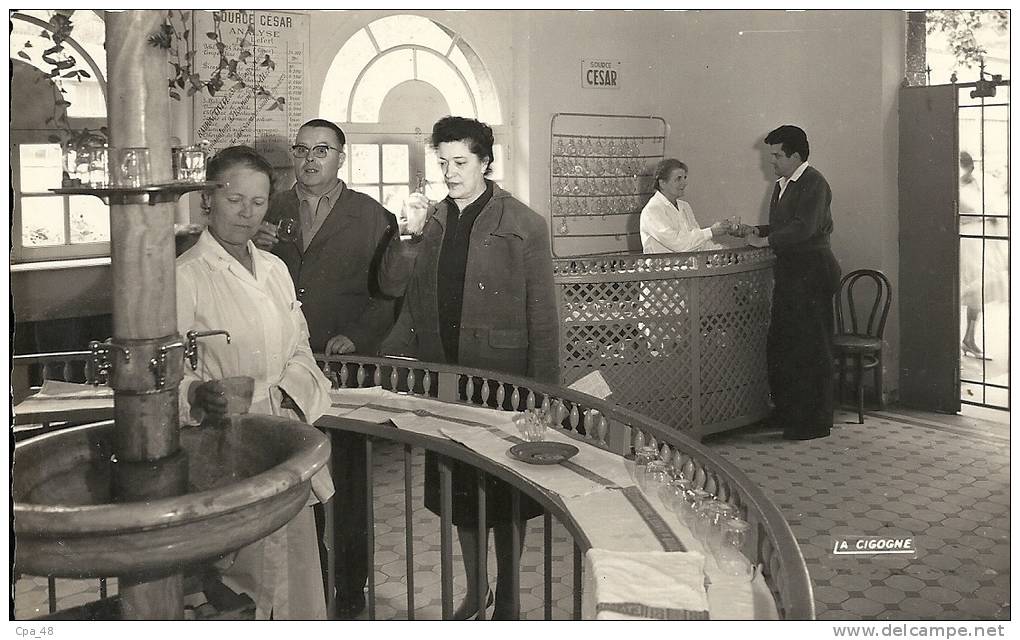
(984, 231)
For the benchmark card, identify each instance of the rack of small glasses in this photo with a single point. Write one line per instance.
(601, 170)
(95, 165)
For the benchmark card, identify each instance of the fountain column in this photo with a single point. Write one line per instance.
(146, 350)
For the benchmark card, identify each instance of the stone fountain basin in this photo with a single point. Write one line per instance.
(245, 480)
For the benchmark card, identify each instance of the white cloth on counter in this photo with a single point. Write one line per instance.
(56, 396)
(644, 585)
(732, 598)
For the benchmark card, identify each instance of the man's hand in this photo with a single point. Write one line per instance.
(339, 344)
(265, 238)
(211, 396)
(744, 230)
(719, 229)
(414, 212)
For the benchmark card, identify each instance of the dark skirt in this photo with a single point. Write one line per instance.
(464, 478)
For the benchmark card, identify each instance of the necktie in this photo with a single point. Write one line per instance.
(775, 198)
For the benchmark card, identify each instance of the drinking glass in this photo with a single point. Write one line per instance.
(723, 513)
(730, 557)
(673, 494)
(82, 160)
(99, 166)
(532, 424)
(656, 474)
(133, 167)
(642, 457)
(191, 167)
(287, 230)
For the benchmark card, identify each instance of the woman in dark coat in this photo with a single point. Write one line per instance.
(481, 296)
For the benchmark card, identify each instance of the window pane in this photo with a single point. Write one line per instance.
(396, 163)
(393, 31)
(434, 70)
(349, 61)
(365, 163)
(42, 221)
(40, 167)
(90, 219)
(394, 197)
(371, 190)
(384, 74)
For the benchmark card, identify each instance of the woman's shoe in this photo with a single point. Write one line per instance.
(489, 601)
(972, 350)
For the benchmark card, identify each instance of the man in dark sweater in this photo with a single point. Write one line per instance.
(799, 347)
(348, 267)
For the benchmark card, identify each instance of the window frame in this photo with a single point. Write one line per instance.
(68, 250)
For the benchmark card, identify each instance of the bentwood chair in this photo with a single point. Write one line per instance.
(858, 344)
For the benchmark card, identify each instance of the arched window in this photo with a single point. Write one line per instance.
(48, 225)
(386, 87)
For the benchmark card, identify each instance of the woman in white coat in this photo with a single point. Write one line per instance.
(224, 282)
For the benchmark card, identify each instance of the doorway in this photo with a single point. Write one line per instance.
(984, 233)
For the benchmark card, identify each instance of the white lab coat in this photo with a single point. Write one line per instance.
(668, 229)
(269, 342)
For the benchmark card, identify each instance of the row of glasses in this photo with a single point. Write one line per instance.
(626, 186)
(90, 166)
(598, 166)
(598, 205)
(714, 523)
(604, 146)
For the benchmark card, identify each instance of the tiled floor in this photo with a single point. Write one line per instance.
(942, 479)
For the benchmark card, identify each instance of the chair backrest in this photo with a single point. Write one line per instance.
(881, 291)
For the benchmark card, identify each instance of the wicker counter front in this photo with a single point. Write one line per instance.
(679, 337)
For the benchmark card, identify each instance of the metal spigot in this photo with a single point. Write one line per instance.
(158, 362)
(101, 358)
(191, 345)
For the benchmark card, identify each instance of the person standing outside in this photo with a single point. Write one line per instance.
(806, 273)
(348, 267)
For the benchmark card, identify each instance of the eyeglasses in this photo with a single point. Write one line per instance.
(318, 151)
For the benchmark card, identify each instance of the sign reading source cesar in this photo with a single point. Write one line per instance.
(600, 74)
(277, 62)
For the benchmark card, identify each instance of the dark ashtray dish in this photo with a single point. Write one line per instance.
(542, 452)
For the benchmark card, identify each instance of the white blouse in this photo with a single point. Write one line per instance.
(668, 229)
(268, 333)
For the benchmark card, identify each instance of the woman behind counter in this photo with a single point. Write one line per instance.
(224, 282)
(667, 222)
(482, 296)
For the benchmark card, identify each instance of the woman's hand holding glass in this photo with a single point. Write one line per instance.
(414, 213)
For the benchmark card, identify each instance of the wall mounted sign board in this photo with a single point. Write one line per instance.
(236, 115)
(600, 74)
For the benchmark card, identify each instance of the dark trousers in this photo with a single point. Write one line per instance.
(799, 347)
(350, 514)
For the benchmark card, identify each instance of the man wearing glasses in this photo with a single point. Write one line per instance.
(344, 253)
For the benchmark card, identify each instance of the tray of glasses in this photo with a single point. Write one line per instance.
(542, 452)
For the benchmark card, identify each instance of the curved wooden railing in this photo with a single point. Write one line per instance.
(604, 425)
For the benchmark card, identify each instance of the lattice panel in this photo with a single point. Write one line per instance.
(687, 349)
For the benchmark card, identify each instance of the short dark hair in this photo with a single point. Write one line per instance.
(966, 161)
(666, 167)
(319, 123)
(793, 139)
(477, 134)
(240, 155)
